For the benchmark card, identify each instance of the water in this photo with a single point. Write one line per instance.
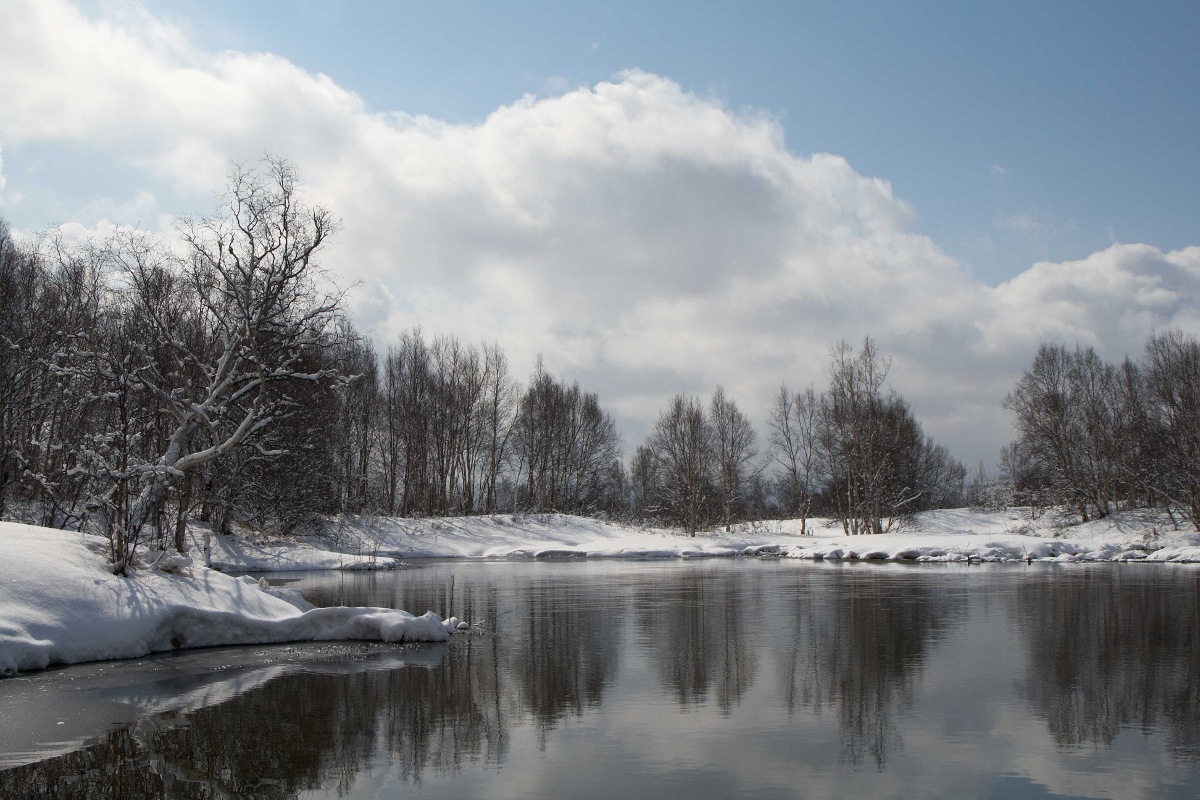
(708, 679)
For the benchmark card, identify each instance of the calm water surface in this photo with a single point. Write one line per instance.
(713, 679)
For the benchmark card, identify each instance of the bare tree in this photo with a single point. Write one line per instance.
(793, 421)
(643, 476)
(565, 446)
(1025, 477)
(498, 405)
(392, 427)
(1075, 419)
(853, 434)
(1048, 423)
(357, 417)
(49, 297)
(1173, 384)
(682, 443)
(880, 466)
(734, 454)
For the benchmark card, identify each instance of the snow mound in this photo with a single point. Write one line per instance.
(59, 604)
(1177, 554)
(970, 547)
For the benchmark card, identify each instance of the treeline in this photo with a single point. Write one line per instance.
(141, 387)
(1098, 437)
(107, 347)
(441, 427)
(854, 452)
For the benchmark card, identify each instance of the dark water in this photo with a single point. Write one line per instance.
(714, 679)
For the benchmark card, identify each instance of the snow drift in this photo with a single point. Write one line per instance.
(59, 604)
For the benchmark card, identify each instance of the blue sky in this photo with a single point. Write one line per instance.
(1019, 131)
(640, 192)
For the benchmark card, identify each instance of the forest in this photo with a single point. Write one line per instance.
(143, 386)
(1096, 437)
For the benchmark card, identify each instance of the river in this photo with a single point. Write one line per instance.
(667, 679)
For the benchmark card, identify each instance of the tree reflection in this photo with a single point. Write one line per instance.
(563, 654)
(550, 655)
(1114, 649)
(699, 623)
(296, 733)
(858, 646)
(114, 769)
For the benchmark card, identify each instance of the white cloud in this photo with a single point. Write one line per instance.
(645, 239)
(1110, 300)
(1, 168)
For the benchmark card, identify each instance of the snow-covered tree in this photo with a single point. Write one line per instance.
(220, 331)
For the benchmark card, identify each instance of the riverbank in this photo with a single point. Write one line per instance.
(60, 604)
(953, 535)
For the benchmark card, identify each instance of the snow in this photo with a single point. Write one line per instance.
(243, 554)
(965, 535)
(951, 535)
(59, 604)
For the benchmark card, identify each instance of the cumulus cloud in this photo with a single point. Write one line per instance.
(645, 239)
(1110, 300)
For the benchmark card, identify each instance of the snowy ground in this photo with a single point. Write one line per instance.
(59, 603)
(952, 535)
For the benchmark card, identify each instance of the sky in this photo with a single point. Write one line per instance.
(662, 197)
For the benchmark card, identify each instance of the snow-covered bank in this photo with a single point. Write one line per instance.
(968, 535)
(236, 553)
(949, 535)
(59, 604)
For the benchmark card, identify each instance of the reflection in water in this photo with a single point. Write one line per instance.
(297, 732)
(1115, 649)
(302, 732)
(676, 673)
(562, 656)
(858, 645)
(115, 768)
(696, 625)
